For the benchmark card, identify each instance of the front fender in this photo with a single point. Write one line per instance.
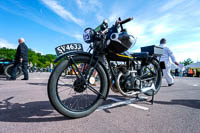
(71, 54)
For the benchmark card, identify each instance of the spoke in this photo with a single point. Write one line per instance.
(95, 91)
(86, 101)
(75, 103)
(70, 101)
(62, 90)
(70, 91)
(62, 82)
(88, 97)
(148, 78)
(80, 73)
(73, 100)
(75, 72)
(151, 71)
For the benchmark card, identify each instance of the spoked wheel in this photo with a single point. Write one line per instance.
(151, 74)
(74, 89)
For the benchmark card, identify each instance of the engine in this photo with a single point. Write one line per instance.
(127, 80)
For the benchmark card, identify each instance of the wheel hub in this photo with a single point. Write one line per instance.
(79, 85)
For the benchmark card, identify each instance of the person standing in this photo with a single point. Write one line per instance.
(21, 58)
(167, 54)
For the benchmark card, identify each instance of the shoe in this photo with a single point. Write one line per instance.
(170, 84)
(11, 79)
(24, 79)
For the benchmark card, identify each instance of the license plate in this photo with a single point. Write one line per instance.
(68, 48)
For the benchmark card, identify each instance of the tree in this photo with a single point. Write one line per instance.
(187, 62)
(35, 58)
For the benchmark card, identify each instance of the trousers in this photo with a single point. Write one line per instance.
(167, 73)
(24, 69)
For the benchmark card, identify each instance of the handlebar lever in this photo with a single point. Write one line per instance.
(125, 21)
(120, 22)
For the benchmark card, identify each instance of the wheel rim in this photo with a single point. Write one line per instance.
(73, 92)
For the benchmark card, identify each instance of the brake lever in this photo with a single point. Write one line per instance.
(120, 24)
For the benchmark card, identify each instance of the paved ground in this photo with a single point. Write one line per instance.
(24, 108)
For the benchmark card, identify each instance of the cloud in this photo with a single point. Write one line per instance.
(5, 43)
(78, 36)
(80, 4)
(171, 4)
(38, 51)
(135, 29)
(187, 50)
(41, 17)
(89, 5)
(116, 12)
(161, 29)
(61, 11)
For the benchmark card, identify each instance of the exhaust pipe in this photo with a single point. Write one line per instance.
(152, 87)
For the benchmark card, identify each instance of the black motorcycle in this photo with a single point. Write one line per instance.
(81, 81)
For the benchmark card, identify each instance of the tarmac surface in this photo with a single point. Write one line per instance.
(25, 108)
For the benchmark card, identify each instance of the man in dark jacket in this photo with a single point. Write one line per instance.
(21, 58)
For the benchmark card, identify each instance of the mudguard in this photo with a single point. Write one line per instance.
(83, 54)
(71, 54)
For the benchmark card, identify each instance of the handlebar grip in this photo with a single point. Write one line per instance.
(126, 20)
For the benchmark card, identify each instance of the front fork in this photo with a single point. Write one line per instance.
(87, 75)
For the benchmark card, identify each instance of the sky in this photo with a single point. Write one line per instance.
(46, 24)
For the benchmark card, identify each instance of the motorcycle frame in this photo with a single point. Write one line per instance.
(100, 53)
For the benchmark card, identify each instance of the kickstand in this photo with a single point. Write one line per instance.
(137, 97)
(152, 100)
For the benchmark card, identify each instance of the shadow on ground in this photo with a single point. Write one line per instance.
(192, 103)
(3, 78)
(39, 111)
(28, 112)
(45, 84)
(40, 84)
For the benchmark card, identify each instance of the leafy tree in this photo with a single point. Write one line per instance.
(36, 58)
(187, 62)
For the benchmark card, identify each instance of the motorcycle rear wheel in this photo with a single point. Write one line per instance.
(67, 90)
(153, 68)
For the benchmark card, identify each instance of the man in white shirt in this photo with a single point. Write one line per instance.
(167, 53)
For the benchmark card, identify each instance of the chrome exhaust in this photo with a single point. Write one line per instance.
(152, 87)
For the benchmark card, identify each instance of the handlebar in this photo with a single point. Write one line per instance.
(125, 21)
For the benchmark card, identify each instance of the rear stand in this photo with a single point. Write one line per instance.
(152, 99)
(127, 101)
(143, 99)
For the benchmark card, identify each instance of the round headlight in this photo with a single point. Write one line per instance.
(88, 35)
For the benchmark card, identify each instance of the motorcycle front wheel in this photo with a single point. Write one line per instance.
(76, 90)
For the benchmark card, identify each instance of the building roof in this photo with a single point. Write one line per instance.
(194, 65)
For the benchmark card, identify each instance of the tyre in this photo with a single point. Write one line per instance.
(152, 70)
(8, 70)
(68, 92)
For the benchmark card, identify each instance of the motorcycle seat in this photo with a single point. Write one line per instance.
(141, 55)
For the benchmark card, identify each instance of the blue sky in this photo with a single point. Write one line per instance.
(45, 24)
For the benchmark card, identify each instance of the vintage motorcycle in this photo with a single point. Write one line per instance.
(81, 81)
